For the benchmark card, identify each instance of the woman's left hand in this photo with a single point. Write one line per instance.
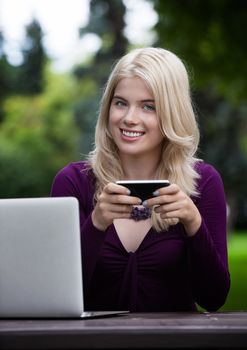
(173, 203)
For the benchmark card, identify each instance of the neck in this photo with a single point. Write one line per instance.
(139, 168)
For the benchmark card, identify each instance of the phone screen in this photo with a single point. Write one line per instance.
(143, 188)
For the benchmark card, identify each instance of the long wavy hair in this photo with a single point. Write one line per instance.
(166, 77)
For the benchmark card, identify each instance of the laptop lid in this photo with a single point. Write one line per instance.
(40, 258)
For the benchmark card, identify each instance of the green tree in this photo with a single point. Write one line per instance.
(37, 137)
(107, 22)
(34, 59)
(209, 37)
(7, 76)
(3, 66)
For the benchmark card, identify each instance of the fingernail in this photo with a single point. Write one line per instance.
(156, 193)
(144, 203)
(128, 192)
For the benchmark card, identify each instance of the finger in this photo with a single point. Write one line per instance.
(123, 199)
(170, 215)
(111, 188)
(171, 189)
(160, 200)
(110, 212)
(120, 209)
(165, 208)
(120, 194)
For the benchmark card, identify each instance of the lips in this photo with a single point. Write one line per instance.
(133, 134)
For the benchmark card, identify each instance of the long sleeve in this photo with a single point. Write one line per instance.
(207, 249)
(184, 270)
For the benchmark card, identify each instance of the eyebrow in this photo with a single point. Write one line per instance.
(122, 98)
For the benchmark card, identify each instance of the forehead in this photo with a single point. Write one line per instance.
(133, 86)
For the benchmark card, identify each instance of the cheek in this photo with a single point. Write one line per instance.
(115, 117)
(154, 125)
(112, 115)
(112, 121)
(157, 134)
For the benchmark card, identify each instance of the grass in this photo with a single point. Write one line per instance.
(237, 254)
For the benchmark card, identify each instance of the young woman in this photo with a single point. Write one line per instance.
(170, 252)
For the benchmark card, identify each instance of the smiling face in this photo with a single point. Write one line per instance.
(133, 121)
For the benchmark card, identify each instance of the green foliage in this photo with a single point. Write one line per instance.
(107, 21)
(237, 251)
(28, 77)
(34, 58)
(42, 113)
(209, 37)
(85, 112)
(8, 76)
(37, 138)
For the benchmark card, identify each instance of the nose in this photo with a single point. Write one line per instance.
(131, 116)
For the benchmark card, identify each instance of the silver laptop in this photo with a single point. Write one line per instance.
(40, 259)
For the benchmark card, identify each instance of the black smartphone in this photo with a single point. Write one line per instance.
(143, 188)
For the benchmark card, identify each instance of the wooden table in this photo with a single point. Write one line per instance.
(222, 330)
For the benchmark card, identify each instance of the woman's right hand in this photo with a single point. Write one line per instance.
(114, 202)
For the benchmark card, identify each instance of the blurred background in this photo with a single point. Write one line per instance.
(55, 57)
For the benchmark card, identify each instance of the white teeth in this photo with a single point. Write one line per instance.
(131, 133)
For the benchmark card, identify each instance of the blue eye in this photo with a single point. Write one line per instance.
(120, 103)
(149, 107)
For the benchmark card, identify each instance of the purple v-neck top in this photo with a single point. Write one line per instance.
(169, 271)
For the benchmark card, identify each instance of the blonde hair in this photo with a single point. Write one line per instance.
(166, 77)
